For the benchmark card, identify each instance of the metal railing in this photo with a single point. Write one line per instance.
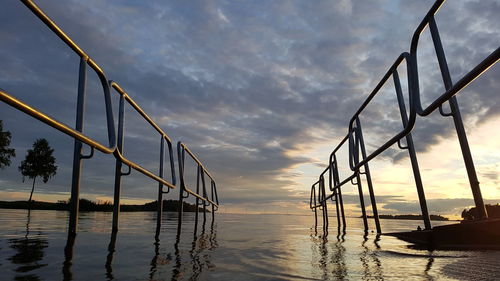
(115, 144)
(355, 134)
(201, 171)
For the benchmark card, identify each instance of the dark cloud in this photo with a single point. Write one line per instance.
(245, 85)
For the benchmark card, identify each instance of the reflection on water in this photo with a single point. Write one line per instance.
(199, 258)
(68, 256)
(372, 267)
(29, 252)
(236, 247)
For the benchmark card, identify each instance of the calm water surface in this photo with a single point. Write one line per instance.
(237, 247)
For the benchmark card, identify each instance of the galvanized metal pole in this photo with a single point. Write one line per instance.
(204, 196)
(457, 119)
(118, 165)
(368, 178)
(159, 207)
(324, 200)
(413, 154)
(337, 209)
(339, 192)
(198, 174)
(77, 152)
(212, 188)
(180, 160)
(362, 201)
(313, 192)
(354, 143)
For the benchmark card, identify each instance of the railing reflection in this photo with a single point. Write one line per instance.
(109, 257)
(330, 256)
(372, 267)
(29, 252)
(68, 258)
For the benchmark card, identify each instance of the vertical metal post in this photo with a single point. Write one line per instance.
(337, 209)
(212, 191)
(413, 155)
(313, 191)
(339, 192)
(159, 211)
(77, 152)
(118, 165)
(180, 160)
(323, 198)
(204, 196)
(368, 178)
(362, 201)
(457, 119)
(198, 172)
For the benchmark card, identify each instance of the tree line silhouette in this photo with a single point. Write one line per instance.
(39, 161)
(472, 214)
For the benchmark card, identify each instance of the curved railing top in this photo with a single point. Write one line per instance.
(182, 149)
(139, 110)
(451, 89)
(412, 92)
(355, 135)
(88, 60)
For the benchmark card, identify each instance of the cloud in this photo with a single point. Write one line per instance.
(245, 85)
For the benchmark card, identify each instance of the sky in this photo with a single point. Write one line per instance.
(261, 91)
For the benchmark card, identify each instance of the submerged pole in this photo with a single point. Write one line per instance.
(368, 178)
(457, 119)
(180, 160)
(159, 209)
(212, 191)
(197, 199)
(337, 191)
(412, 153)
(77, 151)
(204, 196)
(118, 166)
(337, 209)
(324, 203)
(361, 201)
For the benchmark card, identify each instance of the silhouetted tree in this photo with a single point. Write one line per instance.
(39, 162)
(5, 152)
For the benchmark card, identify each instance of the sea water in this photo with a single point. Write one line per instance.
(234, 247)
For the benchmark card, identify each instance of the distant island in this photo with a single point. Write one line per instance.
(90, 206)
(411, 217)
(471, 214)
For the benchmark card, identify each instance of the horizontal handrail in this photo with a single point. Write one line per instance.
(47, 119)
(115, 146)
(462, 83)
(139, 110)
(354, 162)
(111, 149)
(145, 116)
(333, 175)
(181, 151)
(355, 135)
(313, 197)
(472, 75)
(318, 202)
(100, 73)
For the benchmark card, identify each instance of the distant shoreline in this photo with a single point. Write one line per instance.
(90, 206)
(411, 217)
